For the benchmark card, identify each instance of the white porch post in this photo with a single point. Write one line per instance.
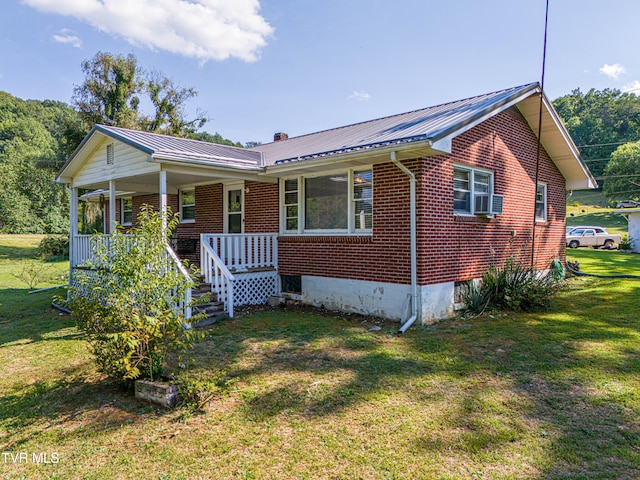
(73, 230)
(112, 206)
(163, 198)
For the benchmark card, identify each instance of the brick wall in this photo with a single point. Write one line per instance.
(459, 248)
(450, 248)
(261, 207)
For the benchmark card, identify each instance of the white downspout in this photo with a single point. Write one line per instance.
(413, 248)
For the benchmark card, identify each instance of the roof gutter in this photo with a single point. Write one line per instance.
(413, 245)
(328, 159)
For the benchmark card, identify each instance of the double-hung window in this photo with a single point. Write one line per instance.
(339, 203)
(541, 202)
(187, 206)
(472, 191)
(126, 211)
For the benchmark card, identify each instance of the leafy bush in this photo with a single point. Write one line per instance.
(33, 273)
(625, 243)
(54, 246)
(512, 287)
(123, 302)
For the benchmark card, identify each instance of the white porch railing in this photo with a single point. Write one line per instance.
(84, 252)
(241, 252)
(218, 275)
(86, 246)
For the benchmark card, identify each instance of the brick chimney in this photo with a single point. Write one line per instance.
(277, 137)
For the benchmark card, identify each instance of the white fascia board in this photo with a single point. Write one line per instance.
(589, 182)
(206, 163)
(205, 169)
(382, 152)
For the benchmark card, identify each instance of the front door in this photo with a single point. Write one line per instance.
(234, 208)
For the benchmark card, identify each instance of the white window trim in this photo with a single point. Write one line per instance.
(349, 231)
(225, 204)
(122, 210)
(472, 206)
(187, 220)
(544, 202)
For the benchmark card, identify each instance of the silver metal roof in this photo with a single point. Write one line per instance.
(175, 148)
(432, 123)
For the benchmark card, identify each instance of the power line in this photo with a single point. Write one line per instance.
(606, 144)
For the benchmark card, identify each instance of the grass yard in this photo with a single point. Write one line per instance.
(590, 207)
(553, 395)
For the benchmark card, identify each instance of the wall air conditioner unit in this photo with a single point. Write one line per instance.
(497, 201)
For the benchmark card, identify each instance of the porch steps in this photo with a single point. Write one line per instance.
(212, 308)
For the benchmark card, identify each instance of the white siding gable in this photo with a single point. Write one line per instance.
(127, 162)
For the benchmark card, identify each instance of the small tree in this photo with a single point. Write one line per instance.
(126, 302)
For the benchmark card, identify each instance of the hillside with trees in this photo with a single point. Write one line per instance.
(34, 143)
(36, 137)
(602, 123)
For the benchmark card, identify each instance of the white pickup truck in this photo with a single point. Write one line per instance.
(592, 237)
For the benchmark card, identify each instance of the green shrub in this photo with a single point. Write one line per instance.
(54, 246)
(625, 243)
(123, 303)
(513, 287)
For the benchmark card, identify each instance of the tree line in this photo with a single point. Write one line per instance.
(605, 125)
(36, 137)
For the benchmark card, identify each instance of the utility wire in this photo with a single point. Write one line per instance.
(535, 185)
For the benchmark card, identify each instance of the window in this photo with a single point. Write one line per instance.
(187, 206)
(341, 202)
(110, 157)
(291, 204)
(362, 196)
(126, 210)
(541, 202)
(473, 192)
(325, 200)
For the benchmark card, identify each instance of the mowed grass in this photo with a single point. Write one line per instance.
(590, 208)
(551, 395)
(605, 262)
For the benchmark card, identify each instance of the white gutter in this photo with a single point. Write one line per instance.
(413, 247)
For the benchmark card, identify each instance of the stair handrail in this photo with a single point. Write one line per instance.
(218, 275)
(179, 266)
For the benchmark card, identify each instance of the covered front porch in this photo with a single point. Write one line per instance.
(241, 269)
(226, 205)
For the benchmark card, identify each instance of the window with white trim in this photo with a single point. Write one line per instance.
(188, 206)
(472, 191)
(290, 204)
(126, 211)
(541, 202)
(341, 202)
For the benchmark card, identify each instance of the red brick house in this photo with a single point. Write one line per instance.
(383, 217)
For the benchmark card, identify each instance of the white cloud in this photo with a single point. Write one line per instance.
(631, 87)
(361, 96)
(66, 36)
(613, 71)
(202, 29)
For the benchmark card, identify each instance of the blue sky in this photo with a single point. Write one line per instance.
(299, 66)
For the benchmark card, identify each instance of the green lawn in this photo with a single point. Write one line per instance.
(590, 208)
(552, 395)
(605, 262)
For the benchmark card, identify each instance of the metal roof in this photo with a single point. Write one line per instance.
(176, 148)
(432, 123)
